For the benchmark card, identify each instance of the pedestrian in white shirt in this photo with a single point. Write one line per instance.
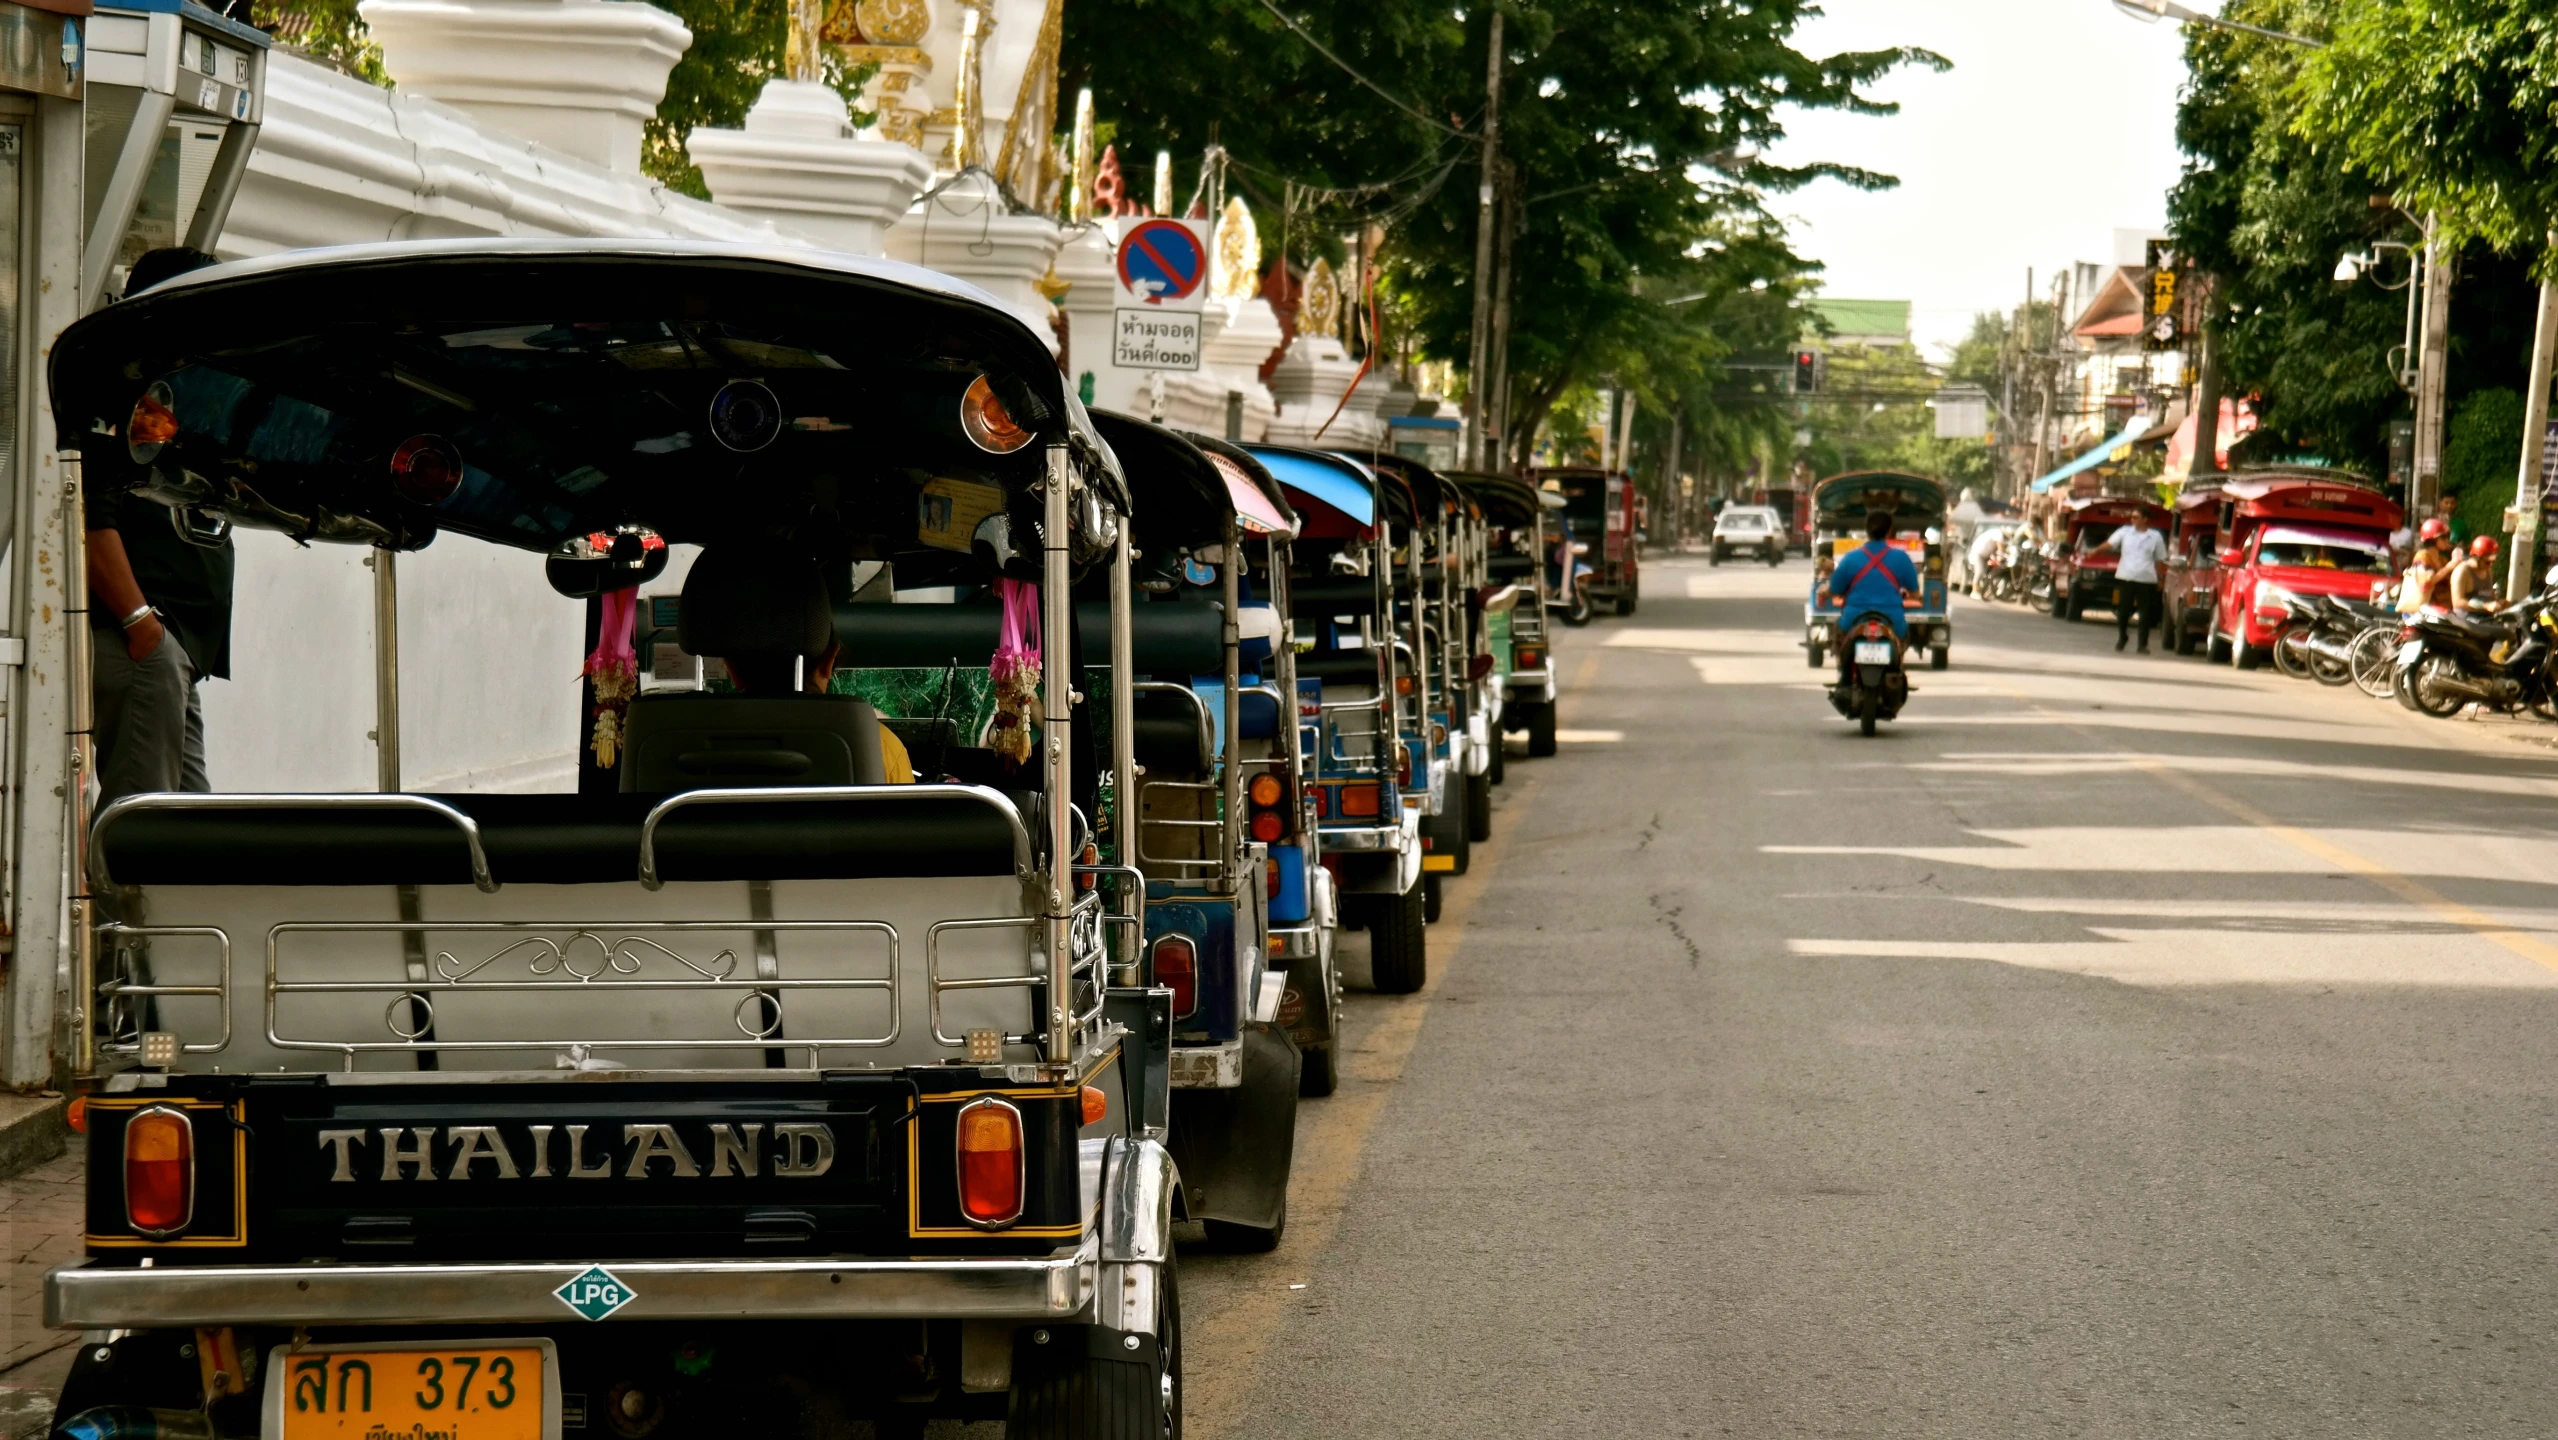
(2135, 577)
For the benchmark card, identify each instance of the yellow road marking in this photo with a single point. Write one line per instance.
(1332, 1138)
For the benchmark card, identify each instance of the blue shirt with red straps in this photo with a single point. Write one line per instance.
(1873, 577)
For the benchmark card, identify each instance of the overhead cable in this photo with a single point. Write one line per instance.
(1397, 101)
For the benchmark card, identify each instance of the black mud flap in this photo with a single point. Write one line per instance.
(1234, 1147)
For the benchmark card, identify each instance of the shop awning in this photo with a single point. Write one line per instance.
(2097, 456)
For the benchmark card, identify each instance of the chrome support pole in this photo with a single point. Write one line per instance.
(1126, 813)
(386, 670)
(80, 934)
(1229, 770)
(1057, 728)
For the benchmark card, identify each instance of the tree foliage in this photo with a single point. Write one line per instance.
(737, 46)
(2451, 105)
(1633, 140)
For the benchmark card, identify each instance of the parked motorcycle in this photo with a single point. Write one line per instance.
(1873, 684)
(2033, 579)
(2505, 662)
(2316, 639)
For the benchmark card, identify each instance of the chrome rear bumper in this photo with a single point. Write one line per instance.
(85, 1297)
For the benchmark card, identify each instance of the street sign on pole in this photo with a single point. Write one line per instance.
(1162, 270)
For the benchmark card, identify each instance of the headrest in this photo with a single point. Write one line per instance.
(743, 601)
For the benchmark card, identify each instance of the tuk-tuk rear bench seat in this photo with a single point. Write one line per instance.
(555, 839)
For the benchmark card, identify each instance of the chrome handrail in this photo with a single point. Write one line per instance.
(1207, 725)
(793, 794)
(116, 989)
(171, 800)
(619, 963)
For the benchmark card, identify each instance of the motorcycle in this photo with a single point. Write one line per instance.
(2032, 582)
(1873, 684)
(1573, 601)
(2316, 640)
(2504, 662)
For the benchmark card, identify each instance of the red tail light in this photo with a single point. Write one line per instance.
(1267, 827)
(1361, 800)
(990, 1163)
(1528, 657)
(1177, 970)
(159, 1171)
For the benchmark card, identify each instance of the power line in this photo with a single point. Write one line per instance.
(1389, 96)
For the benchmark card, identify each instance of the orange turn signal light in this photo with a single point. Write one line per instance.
(1360, 799)
(990, 1163)
(1096, 1104)
(159, 1171)
(153, 423)
(1266, 789)
(989, 425)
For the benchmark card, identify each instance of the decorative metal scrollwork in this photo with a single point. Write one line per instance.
(586, 957)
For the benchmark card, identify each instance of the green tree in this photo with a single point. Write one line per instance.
(2450, 105)
(737, 46)
(2479, 445)
(329, 32)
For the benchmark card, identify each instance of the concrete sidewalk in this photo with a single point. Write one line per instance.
(40, 1222)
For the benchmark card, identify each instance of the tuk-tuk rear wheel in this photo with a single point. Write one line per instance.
(1433, 888)
(1479, 807)
(1541, 730)
(1500, 756)
(1937, 658)
(1398, 943)
(1082, 1398)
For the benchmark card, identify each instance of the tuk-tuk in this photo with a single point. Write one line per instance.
(1917, 505)
(2081, 578)
(1216, 822)
(1599, 508)
(1512, 603)
(2190, 580)
(1357, 701)
(1439, 624)
(835, 985)
(2293, 530)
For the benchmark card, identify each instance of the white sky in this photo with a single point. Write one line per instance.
(2055, 128)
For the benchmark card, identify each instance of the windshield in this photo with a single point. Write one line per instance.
(2360, 557)
(1745, 520)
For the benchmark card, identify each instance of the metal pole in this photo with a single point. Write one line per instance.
(1057, 698)
(2522, 568)
(1479, 348)
(2206, 456)
(386, 671)
(1229, 772)
(1498, 450)
(79, 938)
(2432, 361)
(1125, 811)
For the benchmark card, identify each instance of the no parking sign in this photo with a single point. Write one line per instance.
(1162, 269)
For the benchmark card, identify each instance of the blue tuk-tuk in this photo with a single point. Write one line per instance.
(1839, 507)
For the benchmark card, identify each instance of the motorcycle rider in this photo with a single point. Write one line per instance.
(2421, 583)
(1875, 578)
(2473, 579)
(1982, 557)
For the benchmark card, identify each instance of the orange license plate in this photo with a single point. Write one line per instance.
(446, 1391)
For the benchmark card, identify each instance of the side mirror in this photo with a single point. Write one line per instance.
(585, 566)
(2233, 556)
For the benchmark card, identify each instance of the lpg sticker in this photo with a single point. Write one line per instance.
(596, 1293)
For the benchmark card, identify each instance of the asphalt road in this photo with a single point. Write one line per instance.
(2115, 1046)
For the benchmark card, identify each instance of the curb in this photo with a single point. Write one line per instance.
(32, 1131)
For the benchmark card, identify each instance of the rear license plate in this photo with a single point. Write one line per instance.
(2408, 652)
(449, 1390)
(1873, 652)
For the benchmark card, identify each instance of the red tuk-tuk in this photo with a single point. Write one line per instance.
(2193, 563)
(2081, 579)
(2293, 532)
(1598, 507)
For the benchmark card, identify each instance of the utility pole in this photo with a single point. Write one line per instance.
(2432, 358)
(2206, 456)
(1503, 454)
(1479, 412)
(2522, 568)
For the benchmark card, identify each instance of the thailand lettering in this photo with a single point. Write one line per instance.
(1156, 340)
(644, 1150)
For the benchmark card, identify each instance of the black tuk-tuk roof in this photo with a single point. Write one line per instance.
(1505, 499)
(1181, 493)
(703, 390)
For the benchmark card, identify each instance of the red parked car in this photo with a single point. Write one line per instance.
(2081, 580)
(2189, 584)
(2301, 532)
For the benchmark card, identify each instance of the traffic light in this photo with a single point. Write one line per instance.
(1807, 371)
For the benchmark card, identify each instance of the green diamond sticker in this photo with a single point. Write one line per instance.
(595, 1294)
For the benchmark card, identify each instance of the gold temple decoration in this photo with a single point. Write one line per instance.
(800, 47)
(1024, 161)
(1052, 287)
(1079, 203)
(892, 22)
(967, 115)
(1237, 252)
(1319, 309)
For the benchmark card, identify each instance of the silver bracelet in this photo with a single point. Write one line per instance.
(140, 613)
